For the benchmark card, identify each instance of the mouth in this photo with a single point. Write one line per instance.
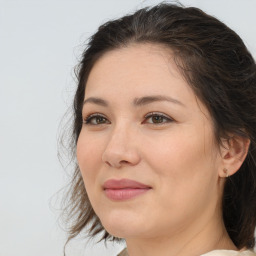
(124, 189)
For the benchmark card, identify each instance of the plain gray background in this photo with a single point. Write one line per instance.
(40, 42)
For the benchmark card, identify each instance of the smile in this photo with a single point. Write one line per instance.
(124, 189)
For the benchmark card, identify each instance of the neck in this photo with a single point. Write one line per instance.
(193, 241)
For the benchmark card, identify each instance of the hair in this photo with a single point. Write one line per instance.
(222, 73)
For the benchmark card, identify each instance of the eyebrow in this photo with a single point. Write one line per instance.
(137, 102)
(150, 99)
(97, 101)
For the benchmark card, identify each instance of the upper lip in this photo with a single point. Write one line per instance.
(123, 183)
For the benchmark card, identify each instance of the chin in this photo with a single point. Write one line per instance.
(122, 225)
(119, 230)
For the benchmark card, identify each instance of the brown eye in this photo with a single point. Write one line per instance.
(157, 118)
(100, 120)
(96, 119)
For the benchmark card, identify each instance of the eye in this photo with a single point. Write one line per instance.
(95, 119)
(157, 118)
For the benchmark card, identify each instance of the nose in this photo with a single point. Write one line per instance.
(121, 149)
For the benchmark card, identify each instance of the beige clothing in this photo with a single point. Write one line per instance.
(212, 253)
(230, 253)
(123, 253)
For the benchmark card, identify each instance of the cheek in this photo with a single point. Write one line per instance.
(183, 160)
(185, 176)
(88, 157)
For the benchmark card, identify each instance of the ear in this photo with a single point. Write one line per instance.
(233, 153)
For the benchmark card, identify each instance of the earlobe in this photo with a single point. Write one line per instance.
(233, 152)
(225, 170)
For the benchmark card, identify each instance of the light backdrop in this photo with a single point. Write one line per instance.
(40, 42)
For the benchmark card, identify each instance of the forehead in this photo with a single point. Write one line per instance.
(136, 71)
(146, 66)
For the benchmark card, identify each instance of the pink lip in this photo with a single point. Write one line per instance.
(124, 189)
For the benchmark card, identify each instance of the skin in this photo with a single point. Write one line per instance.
(177, 156)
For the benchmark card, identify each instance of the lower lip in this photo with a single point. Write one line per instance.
(124, 194)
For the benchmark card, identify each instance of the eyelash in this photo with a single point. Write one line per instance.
(90, 117)
(157, 114)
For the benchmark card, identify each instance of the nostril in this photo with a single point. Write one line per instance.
(116, 157)
(117, 164)
(124, 162)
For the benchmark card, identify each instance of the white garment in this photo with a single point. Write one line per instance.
(230, 253)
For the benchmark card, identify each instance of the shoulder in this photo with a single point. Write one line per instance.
(212, 253)
(230, 253)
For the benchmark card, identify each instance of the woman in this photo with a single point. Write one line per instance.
(164, 130)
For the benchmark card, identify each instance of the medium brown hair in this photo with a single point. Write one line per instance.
(217, 65)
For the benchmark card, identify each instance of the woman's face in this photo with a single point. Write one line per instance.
(146, 150)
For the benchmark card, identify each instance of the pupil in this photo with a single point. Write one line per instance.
(157, 119)
(100, 120)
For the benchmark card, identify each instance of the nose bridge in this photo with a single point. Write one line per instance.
(119, 138)
(121, 146)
